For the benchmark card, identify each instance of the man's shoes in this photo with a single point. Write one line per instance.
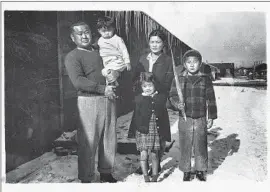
(200, 175)
(187, 176)
(107, 177)
(146, 178)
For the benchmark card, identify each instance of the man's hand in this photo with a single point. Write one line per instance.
(109, 92)
(128, 66)
(209, 123)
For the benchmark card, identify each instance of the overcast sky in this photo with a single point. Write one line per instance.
(238, 37)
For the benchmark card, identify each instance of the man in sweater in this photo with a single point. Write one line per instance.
(96, 106)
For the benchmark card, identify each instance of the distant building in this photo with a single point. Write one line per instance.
(244, 71)
(224, 69)
(210, 70)
(261, 71)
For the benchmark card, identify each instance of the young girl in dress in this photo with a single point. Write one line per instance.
(149, 106)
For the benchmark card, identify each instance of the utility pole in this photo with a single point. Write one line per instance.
(255, 62)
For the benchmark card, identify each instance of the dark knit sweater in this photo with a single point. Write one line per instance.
(84, 70)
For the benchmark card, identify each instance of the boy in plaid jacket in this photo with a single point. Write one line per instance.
(200, 107)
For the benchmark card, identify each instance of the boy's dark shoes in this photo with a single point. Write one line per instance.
(201, 175)
(146, 178)
(107, 177)
(154, 178)
(187, 176)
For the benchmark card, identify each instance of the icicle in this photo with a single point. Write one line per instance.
(143, 30)
(137, 23)
(127, 23)
(143, 25)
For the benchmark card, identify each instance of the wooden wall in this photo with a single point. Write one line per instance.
(40, 101)
(32, 104)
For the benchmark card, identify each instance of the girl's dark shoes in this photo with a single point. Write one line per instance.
(154, 178)
(107, 177)
(200, 175)
(146, 178)
(187, 176)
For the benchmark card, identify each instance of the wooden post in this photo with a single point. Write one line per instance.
(59, 50)
(254, 69)
(67, 92)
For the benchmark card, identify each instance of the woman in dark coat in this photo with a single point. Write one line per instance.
(160, 64)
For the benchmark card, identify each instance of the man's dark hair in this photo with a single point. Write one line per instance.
(71, 28)
(105, 22)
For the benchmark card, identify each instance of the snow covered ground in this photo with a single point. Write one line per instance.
(237, 145)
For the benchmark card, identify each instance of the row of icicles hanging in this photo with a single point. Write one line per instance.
(141, 22)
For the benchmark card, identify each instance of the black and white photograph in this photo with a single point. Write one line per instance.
(143, 93)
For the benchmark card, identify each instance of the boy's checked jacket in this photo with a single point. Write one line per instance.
(198, 93)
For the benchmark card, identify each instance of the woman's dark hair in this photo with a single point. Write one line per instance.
(146, 77)
(105, 22)
(160, 34)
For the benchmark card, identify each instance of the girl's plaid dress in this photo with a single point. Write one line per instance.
(150, 141)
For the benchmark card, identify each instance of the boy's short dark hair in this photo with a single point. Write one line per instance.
(105, 22)
(79, 23)
(194, 53)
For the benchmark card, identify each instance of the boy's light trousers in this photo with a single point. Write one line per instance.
(193, 133)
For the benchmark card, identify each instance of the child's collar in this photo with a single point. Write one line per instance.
(152, 95)
(185, 74)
